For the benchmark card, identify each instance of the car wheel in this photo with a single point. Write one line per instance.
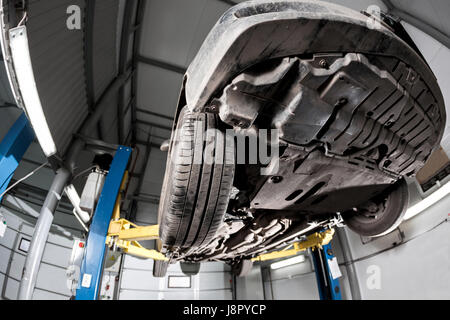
(380, 215)
(196, 188)
(190, 269)
(242, 268)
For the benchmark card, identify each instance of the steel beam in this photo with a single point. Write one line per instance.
(229, 2)
(123, 57)
(90, 123)
(136, 45)
(150, 113)
(12, 148)
(89, 52)
(162, 64)
(144, 199)
(92, 266)
(155, 125)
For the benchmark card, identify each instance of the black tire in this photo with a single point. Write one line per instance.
(190, 269)
(372, 223)
(195, 193)
(242, 268)
(160, 268)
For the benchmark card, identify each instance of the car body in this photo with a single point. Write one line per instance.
(349, 108)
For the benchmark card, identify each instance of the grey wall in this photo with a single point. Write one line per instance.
(251, 287)
(413, 262)
(51, 281)
(296, 282)
(137, 282)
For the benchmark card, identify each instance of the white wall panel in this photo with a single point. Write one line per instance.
(302, 287)
(137, 282)
(251, 286)
(10, 288)
(39, 294)
(418, 269)
(51, 281)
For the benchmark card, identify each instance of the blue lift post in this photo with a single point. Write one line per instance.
(12, 148)
(329, 288)
(92, 265)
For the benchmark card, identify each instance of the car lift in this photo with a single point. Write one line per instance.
(324, 261)
(108, 229)
(12, 148)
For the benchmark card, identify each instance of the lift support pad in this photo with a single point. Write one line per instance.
(92, 265)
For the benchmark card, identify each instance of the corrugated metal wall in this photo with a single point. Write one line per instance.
(104, 44)
(59, 58)
(57, 55)
(105, 69)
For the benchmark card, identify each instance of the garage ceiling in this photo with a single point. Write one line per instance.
(162, 38)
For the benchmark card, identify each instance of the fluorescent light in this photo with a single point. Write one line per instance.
(428, 201)
(74, 199)
(21, 59)
(288, 262)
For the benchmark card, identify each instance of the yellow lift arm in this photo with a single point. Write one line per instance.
(125, 235)
(315, 240)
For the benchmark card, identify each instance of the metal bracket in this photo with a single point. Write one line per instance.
(125, 235)
(315, 240)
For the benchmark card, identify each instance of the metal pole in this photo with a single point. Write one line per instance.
(62, 177)
(349, 264)
(41, 231)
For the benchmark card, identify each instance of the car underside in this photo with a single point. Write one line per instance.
(349, 108)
